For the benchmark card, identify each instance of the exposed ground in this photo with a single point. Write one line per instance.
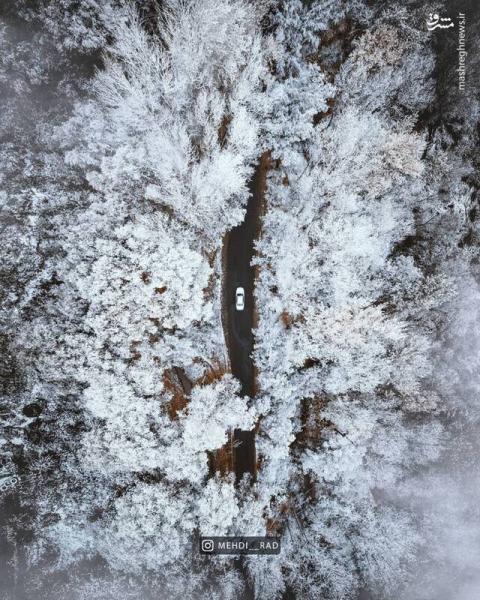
(238, 325)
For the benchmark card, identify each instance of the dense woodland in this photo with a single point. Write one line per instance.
(129, 133)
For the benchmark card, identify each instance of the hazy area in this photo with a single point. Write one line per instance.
(132, 136)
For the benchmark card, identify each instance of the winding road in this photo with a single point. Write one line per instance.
(238, 272)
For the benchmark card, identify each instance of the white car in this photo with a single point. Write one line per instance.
(239, 298)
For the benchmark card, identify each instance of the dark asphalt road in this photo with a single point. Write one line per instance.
(239, 252)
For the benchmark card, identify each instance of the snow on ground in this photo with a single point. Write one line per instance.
(357, 279)
(128, 146)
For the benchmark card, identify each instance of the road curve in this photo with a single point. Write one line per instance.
(238, 272)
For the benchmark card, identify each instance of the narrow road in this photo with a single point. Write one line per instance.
(238, 254)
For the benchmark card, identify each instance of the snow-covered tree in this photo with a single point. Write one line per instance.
(130, 131)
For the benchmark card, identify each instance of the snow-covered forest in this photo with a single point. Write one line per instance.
(130, 132)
